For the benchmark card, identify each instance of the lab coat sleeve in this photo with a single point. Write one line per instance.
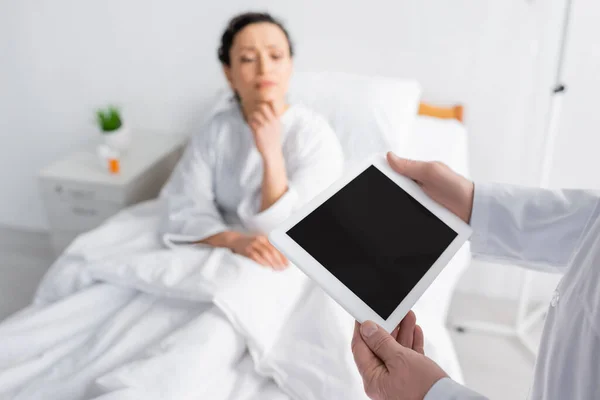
(314, 160)
(190, 213)
(447, 389)
(534, 228)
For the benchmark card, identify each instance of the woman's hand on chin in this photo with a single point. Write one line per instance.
(266, 130)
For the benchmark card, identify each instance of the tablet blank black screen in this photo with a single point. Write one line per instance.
(375, 238)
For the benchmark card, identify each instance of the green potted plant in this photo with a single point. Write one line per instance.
(116, 134)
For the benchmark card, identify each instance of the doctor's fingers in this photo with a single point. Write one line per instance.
(420, 171)
(409, 334)
(382, 344)
(368, 364)
(407, 330)
(419, 341)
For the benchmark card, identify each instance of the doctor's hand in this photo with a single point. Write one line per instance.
(266, 129)
(393, 367)
(439, 182)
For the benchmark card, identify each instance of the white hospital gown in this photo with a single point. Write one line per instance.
(217, 184)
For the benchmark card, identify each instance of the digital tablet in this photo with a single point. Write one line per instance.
(373, 240)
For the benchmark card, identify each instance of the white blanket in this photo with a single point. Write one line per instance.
(119, 317)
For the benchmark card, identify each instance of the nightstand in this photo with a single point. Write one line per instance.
(79, 193)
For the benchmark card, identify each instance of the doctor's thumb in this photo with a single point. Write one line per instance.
(381, 343)
(412, 169)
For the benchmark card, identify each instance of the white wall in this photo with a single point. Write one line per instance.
(577, 163)
(62, 58)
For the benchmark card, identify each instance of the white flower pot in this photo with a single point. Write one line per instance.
(119, 140)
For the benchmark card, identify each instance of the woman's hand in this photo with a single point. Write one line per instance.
(255, 247)
(259, 249)
(266, 129)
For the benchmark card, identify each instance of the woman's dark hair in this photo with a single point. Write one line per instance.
(240, 22)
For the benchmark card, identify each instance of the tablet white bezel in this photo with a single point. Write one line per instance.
(332, 285)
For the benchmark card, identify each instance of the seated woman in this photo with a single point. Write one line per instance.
(257, 160)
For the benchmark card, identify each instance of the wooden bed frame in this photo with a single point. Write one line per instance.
(452, 112)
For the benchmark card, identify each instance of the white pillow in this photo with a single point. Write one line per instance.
(368, 113)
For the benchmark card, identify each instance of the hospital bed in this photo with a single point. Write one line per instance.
(119, 317)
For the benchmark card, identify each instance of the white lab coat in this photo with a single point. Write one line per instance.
(553, 230)
(217, 184)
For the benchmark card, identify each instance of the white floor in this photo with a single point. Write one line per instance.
(24, 258)
(497, 367)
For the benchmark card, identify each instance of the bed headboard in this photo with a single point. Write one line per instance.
(451, 112)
